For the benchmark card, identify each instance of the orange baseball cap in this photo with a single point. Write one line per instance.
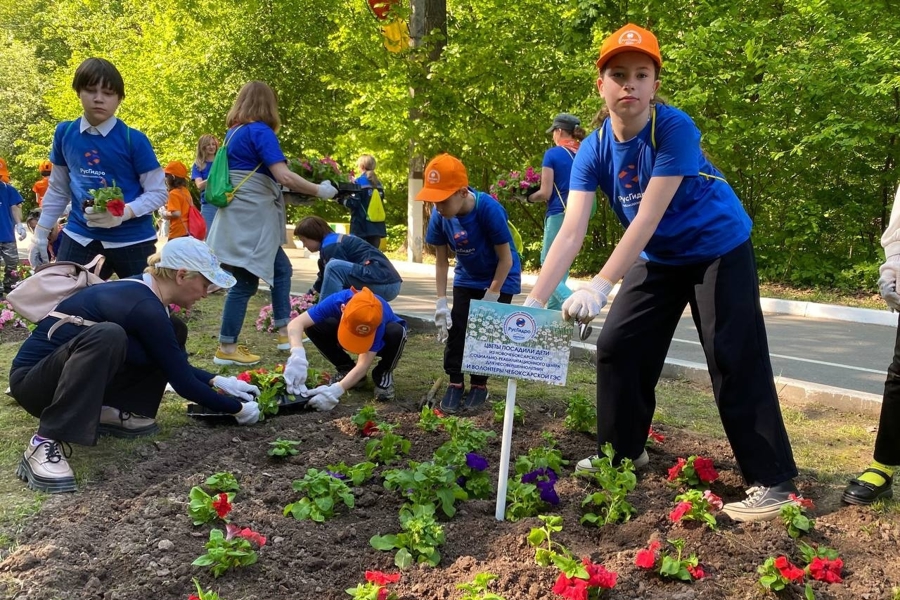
(630, 38)
(4, 171)
(362, 317)
(444, 176)
(177, 169)
(45, 165)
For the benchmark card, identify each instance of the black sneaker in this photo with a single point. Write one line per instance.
(762, 503)
(477, 396)
(452, 398)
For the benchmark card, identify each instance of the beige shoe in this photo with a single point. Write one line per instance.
(240, 357)
(45, 468)
(123, 424)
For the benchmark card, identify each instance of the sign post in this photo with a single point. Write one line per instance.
(519, 343)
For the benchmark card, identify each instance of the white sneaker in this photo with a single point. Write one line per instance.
(46, 469)
(586, 465)
(762, 503)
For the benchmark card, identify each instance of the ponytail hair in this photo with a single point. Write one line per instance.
(366, 164)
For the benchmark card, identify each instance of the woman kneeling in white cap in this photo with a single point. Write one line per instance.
(108, 375)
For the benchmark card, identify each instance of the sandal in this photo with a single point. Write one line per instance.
(864, 493)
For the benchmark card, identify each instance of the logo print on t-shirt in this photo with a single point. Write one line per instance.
(628, 177)
(460, 238)
(92, 168)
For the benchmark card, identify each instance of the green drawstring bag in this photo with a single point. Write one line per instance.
(219, 190)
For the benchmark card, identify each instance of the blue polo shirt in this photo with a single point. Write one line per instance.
(9, 197)
(252, 144)
(560, 160)
(197, 173)
(330, 308)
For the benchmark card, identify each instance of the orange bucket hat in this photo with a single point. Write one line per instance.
(630, 38)
(362, 317)
(176, 169)
(444, 176)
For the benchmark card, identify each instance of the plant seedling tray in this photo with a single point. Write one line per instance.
(285, 402)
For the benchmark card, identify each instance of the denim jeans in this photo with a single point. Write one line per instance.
(247, 283)
(209, 213)
(338, 276)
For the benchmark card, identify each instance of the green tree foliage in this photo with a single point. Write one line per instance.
(798, 100)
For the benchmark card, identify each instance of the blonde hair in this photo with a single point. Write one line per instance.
(366, 164)
(255, 102)
(206, 138)
(164, 272)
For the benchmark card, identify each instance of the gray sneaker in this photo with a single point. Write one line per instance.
(384, 394)
(586, 465)
(762, 503)
(46, 469)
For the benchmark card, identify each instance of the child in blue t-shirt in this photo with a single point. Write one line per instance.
(687, 242)
(95, 151)
(207, 146)
(474, 226)
(11, 227)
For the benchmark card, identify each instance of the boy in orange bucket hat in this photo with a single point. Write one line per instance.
(358, 322)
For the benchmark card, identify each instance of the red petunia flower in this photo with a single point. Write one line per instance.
(193, 597)
(598, 576)
(245, 376)
(438, 413)
(573, 589)
(829, 571)
(656, 436)
(788, 570)
(222, 505)
(646, 559)
(369, 429)
(383, 594)
(801, 501)
(253, 536)
(675, 471)
(681, 509)
(379, 578)
(115, 207)
(705, 470)
(713, 500)
(696, 572)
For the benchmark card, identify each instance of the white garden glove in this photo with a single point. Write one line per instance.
(295, 371)
(533, 303)
(235, 387)
(325, 397)
(887, 283)
(103, 220)
(20, 229)
(249, 413)
(39, 248)
(490, 296)
(442, 319)
(326, 190)
(586, 303)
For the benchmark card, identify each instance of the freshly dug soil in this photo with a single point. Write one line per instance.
(128, 535)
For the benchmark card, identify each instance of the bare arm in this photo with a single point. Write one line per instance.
(504, 264)
(16, 213)
(358, 372)
(200, 183)
(292, 181)
(296, 328)
(442, 263)
(543, 194)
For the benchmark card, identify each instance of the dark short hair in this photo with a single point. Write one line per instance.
(313, 227)
(98, 71)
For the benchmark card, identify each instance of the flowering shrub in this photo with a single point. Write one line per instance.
(693, 472)
(515, 184)
(793, 517)
(299, 304)
(375, 587)
(9, 317)
(204, 508)
(234, 550)
(684, 569)
(318, 170)
(695, 505)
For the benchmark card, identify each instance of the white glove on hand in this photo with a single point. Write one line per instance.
(586, 303)
(235, 387)
(39, 248)
(20, 229)
(103, 220)
(490, 296)
(442, 319)
(533, 303)
(295, 371)
(887, 283)
(325, 397)
(249, 413)
(326, 190)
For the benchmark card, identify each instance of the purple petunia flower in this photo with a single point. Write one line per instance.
(476, 462)
(336, 475)
(543, 474)
(548, 492)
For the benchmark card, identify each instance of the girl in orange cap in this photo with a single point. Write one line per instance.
(179, 204)
(687, 242)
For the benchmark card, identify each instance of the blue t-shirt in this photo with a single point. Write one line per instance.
(9, 197)
(472, 237)
(203, 174)
(705, 218)
(252, 144)
(151, 337)
(560, 160)
(330, 308)
(95, 161)
(370, 265)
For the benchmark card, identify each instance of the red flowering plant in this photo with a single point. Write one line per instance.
(271, 385)
(227, 551)
(106, 199)
(779, 572)
(204, 508)
(696, 471)
(201, 595)
(318, 170)
(695, 505)
(654, 437)
(9, 317)
(366, 421)
(375, 587)
(823, 563)
(794, 517)
(671, 567)
(299, 304)
(516, 185)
